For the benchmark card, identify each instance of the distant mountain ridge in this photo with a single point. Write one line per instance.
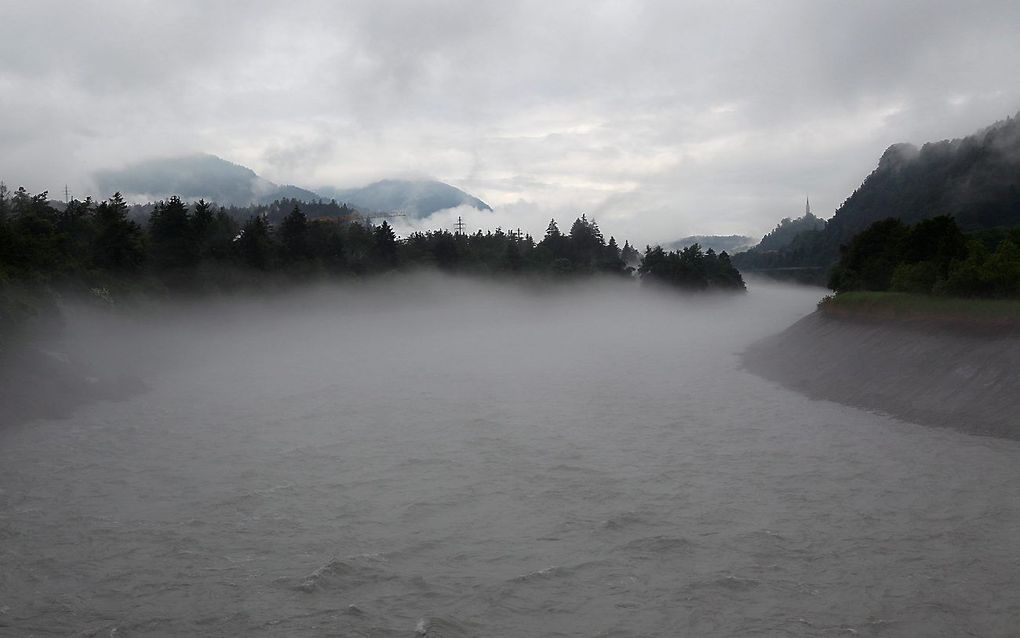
(417, 198)
(787, 230)
(975, 179)
(719, 243)
(212, 178)
(193, 177)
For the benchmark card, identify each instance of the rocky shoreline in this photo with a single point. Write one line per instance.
(944, 374)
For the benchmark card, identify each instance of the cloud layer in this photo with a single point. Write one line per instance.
(662, 119)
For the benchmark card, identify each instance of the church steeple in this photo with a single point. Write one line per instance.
(807, 207)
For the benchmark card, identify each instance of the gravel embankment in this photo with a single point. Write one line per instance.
(924, 372)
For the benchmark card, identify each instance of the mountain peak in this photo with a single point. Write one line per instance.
(414, 197)
(192, 176)
(897, 155)
(203, 175)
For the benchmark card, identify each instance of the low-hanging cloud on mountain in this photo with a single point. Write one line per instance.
(675, 118)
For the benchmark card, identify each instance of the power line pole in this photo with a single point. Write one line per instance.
(460, 225)
(67, 195)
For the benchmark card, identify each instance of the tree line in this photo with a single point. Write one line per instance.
(181, 246)
(690, 269)
(932, 256)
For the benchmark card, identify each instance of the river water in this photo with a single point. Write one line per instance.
(451, 459)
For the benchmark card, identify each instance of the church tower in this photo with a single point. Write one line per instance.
(807, 208)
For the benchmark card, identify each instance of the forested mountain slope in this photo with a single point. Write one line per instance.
(975, 180)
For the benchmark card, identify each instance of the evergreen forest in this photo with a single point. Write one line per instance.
(932, 256)
(107, 249)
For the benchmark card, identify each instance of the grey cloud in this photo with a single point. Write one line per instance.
(673, 118)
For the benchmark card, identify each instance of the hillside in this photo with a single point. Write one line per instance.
(204, 176)
(975, 179)
(417, 198)
(193, 177)
(787, 230)
(928, 369)
(718, 243)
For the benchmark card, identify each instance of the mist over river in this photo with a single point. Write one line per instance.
(452, 458)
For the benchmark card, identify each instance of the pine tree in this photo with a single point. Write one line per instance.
(384, 247)
(119, 244)
(254, 244)
(552, 231)
(203, 222)
(5, 198)
(170, 229)
(629, 254)
(294, 236)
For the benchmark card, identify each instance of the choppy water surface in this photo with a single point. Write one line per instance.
(447, 461)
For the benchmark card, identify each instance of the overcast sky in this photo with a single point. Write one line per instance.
(661, 119)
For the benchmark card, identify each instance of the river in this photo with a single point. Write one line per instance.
(446, 458)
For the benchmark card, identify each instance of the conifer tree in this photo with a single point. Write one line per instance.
(384, 247)
(118, 243)
(170, 232)
(294, 236)
(254, 244)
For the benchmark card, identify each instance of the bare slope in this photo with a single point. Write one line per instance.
(924, 372)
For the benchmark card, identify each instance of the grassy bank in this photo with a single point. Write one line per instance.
(953, 311)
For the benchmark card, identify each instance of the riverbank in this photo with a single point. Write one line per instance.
(958, 371)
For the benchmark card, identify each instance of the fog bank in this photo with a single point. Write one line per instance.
(461, 458)
(300, 338)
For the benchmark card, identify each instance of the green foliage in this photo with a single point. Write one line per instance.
(445, 250)
(555, 244)
(874, 254)
(587, 246)
(984, 274)
(629, 255)
(918, 278)
(690, 269)
(293, 233)
(327, 247)
(171, 235)
(512, 258)
(118, 244)
(931, 257)
(203, 221)
(383, 253)
(787, 230)
(583, 252)
(254, 245)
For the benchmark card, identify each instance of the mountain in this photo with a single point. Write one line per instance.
(289, 191)
(718, 243)
(417, 198)
(975, 179)
(193, 177)
(215, 179)
(787, 230)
